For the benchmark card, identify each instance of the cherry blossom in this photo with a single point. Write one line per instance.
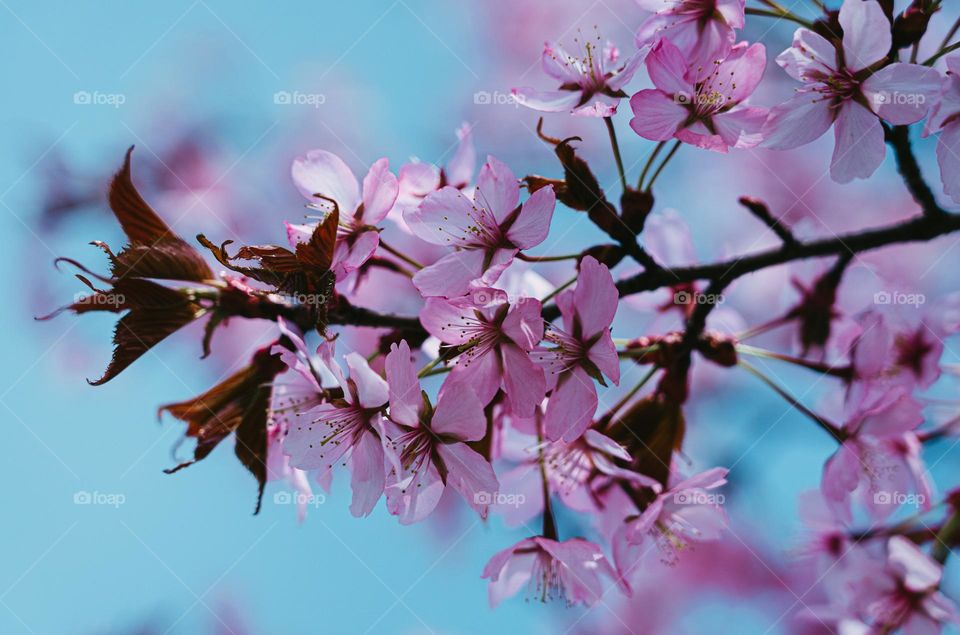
(703, 30)
(702, 108)
(428, 449)
(571, 571)
(854, 94)
(493, 338)
(590, 86)
(348, 427)
(486, 232)
(582, 352)
(323, 178)
(944, 119)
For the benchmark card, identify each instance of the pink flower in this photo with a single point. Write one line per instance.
(486, 232)
(945, 120)
(571, 571)
(494, 339)
(590, 86)
(348, 427)
(429, 449)
(686, 512)
(881, 453)
(417, 179)
(323, 173)
(584, 351)
(844, 87)
(907, 597)
(883, 357)
(704, 109)
(701, 29)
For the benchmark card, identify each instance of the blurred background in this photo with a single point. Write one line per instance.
(218, 98)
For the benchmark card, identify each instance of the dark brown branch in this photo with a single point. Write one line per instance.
(899, 139)
(759, 209)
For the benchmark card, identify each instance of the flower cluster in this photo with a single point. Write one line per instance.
(505, 388)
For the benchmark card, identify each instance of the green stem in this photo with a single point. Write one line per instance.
(943, 51)
(563, 286)
(843, 372)
(627, 397)
(673, 151)
(650, 160)
(946, 537)
(833, 430)
(781, 14)
(399, 254)
(524, 257)
(611, 131)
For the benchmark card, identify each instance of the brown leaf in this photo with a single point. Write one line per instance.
(651, 430)
(154, 251)
(154, 313)
(239, 404)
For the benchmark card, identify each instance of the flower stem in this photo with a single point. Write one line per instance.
(524, 257)
(611, 131)
(626, 398)
(943, 51)
(946, 537)
(673, 151)
(650, 160)
(779, 13)
(760, 329)
(843, 372)
(832, 429)
(399, 254)
(563, 286)
(549, 522)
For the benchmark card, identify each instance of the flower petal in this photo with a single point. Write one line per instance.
(859, 148)
(322, 172)
(866, 33)
(380, 190)
(656, 115)
(533, 222)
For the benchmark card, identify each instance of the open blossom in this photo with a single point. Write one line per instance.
(322, 175)
(589, 86)
(577, 472)
(494, 339)
(904, 596)
(686, 512)
(884, 356)
(701, 29)
(571, 571)
(880, 455)
(945, 119)
(348, 427)
(582, 351)
(702, 107)
(429, 450)
(417, 179)
(842, 88)
(485, 232)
